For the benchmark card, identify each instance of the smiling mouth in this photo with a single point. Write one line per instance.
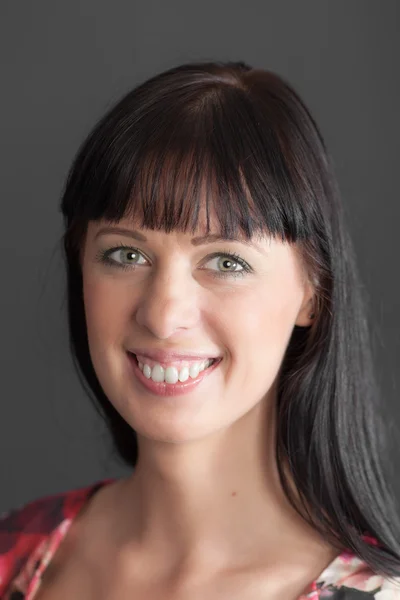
(174, 373)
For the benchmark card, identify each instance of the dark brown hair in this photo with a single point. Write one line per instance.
(245, 138)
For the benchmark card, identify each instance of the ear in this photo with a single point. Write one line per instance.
(306, 314)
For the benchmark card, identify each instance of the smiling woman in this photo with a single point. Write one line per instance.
(215, 314)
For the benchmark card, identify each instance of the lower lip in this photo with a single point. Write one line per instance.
(170, 389)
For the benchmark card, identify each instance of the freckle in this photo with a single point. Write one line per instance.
(233, 493)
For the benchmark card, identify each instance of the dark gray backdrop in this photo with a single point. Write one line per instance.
(62, 65)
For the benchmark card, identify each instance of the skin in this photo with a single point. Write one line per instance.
(204, 503)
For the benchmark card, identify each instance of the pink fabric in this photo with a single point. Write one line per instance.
(30, 537)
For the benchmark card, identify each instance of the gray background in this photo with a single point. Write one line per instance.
(62, 65)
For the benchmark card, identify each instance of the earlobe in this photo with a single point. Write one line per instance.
(306, 315)
(305, 320)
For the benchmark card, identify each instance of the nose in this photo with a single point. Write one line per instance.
(169, 304)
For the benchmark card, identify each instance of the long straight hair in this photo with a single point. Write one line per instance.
(240, 142)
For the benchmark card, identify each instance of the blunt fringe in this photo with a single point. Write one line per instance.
(240, 143)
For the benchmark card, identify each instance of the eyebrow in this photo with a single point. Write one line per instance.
(196, 241)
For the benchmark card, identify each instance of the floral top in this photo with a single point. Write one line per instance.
(30, 536)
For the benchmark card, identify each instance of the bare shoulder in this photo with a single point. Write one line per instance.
(83, 551)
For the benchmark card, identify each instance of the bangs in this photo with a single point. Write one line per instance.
(184, 161)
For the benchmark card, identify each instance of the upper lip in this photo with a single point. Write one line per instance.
(170, 355)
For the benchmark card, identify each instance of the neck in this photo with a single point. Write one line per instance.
(217, 502)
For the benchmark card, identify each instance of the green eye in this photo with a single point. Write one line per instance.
(223, 264)
(131, 256)
(122, 257)
(229, 265)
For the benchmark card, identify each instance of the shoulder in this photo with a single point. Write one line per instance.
(349, 577)
(24, 530)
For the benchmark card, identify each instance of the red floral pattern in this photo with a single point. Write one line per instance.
(30, 536)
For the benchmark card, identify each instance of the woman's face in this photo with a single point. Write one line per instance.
(172, 301)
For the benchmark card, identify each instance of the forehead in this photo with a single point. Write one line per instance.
(206, 231)
(264, 245)
(200, 213)
(131, 228)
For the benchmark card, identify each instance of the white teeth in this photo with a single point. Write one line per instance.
(171, 374)
(194, 370)
(157, 374)
(184, 374)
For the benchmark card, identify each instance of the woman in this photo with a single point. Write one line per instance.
(216, 317)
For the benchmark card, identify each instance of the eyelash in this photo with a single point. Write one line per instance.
(104, 257)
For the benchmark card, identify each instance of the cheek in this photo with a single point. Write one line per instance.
(106, 309)
(260, 320)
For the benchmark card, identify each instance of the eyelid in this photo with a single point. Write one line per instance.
(128, 247)
(234, 256)
(104, 256)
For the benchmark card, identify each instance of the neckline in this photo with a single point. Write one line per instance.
(342, 566)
